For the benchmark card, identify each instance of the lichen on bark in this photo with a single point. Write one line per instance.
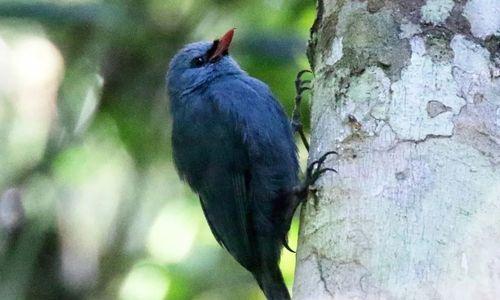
(408, 93)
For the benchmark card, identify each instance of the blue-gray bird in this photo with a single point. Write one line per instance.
(233, 144)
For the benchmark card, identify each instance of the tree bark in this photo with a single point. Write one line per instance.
(408, 93)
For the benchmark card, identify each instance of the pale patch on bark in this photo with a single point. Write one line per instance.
(423, 81)
(369, 95)
(408, 30)
(484, 17)
(472, 70)
(336, 52)
(436, 11)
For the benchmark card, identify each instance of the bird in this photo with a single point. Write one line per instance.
(234, 146)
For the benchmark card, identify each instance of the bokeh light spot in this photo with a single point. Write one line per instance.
(172, 235)
(144, 282)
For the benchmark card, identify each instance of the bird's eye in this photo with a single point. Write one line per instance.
(198, 61)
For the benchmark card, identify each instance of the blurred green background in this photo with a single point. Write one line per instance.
(90, 204)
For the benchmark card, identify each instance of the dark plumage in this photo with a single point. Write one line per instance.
(234, 146)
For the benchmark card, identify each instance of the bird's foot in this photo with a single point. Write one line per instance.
(313, 173)
(301, 191)
(300, 87)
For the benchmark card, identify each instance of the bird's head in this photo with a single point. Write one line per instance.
(200, 62)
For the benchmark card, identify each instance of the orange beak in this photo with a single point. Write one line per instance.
(223, 45)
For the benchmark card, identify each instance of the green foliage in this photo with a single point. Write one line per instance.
(85, 143)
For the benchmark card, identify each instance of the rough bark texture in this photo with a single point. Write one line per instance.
(408, 92)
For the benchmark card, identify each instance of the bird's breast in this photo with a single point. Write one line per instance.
(202, 141)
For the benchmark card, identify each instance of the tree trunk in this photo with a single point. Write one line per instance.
(408, 93)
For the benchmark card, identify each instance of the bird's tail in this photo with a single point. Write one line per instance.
(272, 284)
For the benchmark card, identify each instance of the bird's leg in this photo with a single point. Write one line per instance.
(300, 192)
(296, 114)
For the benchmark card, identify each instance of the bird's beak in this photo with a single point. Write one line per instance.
(222, 45)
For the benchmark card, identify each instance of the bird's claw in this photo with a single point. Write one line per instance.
(300, 87)
(315, 170)
(285, 244)
(299, 83)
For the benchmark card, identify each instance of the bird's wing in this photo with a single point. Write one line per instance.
(224, 200)
(223, 186)
(251, 157)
